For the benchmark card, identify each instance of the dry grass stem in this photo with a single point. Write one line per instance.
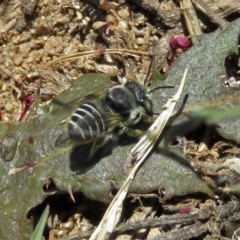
(214, 17)
(140, 153)
(97, 52)
(191, 18)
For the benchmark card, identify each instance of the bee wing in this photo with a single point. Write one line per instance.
(78, 101)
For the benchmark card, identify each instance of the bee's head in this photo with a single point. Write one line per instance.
(140, 96)
(129, 101)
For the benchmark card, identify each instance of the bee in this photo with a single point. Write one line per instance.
(116, 109)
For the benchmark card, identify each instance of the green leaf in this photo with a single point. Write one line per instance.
(37, 234)
(35, 151)
(155, 73)
(38, 150)
(210, 117)
(204, 83)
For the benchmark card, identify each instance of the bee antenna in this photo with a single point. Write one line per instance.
(159, 87)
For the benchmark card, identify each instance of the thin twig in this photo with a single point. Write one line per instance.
(208, 12)
(150, 223)
(78, 235)
(140, 153)
(144, 146)
(187, 232)
(191, 19)
(97, 52)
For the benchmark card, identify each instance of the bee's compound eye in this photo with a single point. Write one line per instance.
(140, 96)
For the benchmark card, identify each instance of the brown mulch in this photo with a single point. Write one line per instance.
(34, 33)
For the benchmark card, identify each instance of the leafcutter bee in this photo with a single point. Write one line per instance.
(117, 109)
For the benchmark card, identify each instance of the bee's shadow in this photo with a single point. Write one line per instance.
(78, 156)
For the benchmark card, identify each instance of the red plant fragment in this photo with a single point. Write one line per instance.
(102, 50)
(106, 27)
(179, 42)
(31, 140)
(185, 210)
(28, 102)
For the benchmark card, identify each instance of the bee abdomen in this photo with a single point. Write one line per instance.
(86, 123)
(96, 14)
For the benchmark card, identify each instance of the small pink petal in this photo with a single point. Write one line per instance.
(102, 50)
(29, 101)
(185, 211)
(106, 27)
(180, 42)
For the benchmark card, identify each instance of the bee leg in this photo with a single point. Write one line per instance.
(132, 132)
(148, 119)
(99, 142)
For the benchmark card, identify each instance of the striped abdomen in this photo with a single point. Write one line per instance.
(95, 13)
(87, 122)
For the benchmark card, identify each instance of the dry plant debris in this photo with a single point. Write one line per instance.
(35, 33)
(139, 153)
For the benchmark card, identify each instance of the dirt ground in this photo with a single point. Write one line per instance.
(35, 33)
